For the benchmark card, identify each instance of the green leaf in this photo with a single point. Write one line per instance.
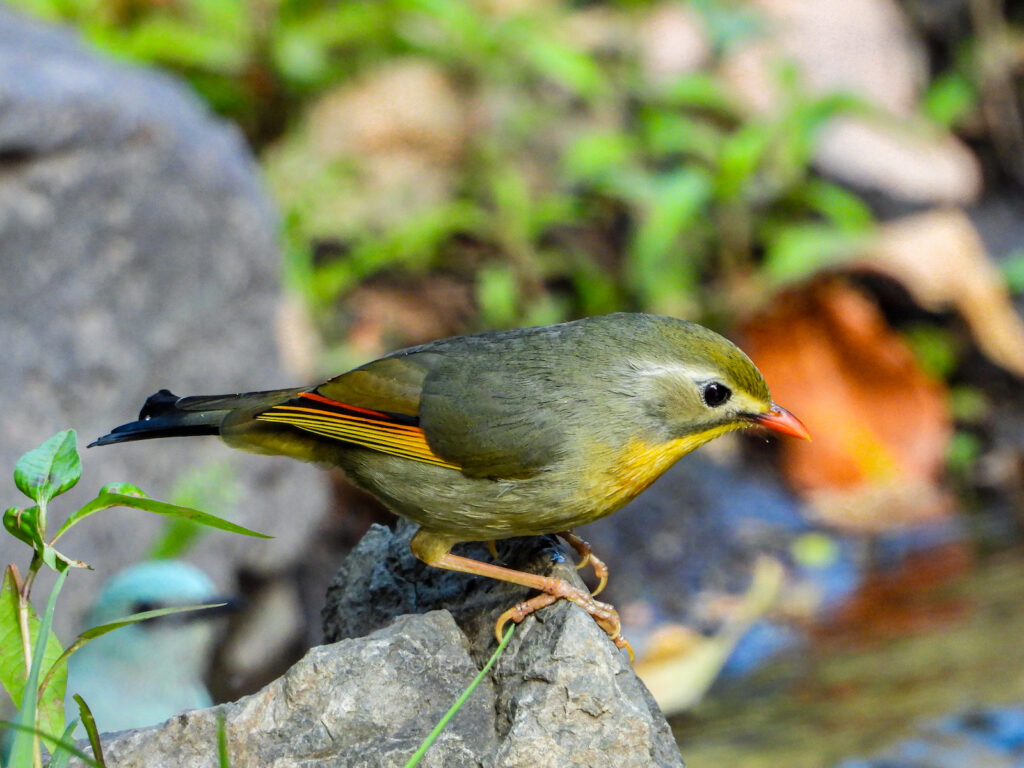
(213, 487)
(1013, 270)
(658, 269)
(699, 90)
(950, 98)
(108, 500)
(962, 452)
(969, 404)
(23, 524)
(842, 207)
(741, 156)
(60, 562)
(594, 156)
(572, 69)
(668, 134)
(93, 632)
(934, 349)
(796, 251)
(170, 41)
(126, 489)
(50, 469)
(12, 657)
(497, 294)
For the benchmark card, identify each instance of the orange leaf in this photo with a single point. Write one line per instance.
(880, 424)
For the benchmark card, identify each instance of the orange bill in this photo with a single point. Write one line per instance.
(782, 421)
(392, 433)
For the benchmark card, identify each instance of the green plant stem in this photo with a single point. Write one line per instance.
(26, 638)
(33, 570)
(443, 722)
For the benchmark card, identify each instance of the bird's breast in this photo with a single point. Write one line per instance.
(615, 478)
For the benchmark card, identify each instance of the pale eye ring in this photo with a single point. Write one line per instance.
(716, 394)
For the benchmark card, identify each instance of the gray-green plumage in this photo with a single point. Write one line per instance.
(536, 419)
(505, 433)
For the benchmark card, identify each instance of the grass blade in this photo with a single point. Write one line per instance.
(66, 748)
(223, 758)
(443, 722)
(89, 723)
(21, 751)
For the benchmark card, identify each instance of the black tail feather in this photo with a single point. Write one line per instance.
(161, 417)
(163, 403)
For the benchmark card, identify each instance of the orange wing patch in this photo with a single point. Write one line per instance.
(392, 433)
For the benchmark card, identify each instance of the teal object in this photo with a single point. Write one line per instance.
(145, 673)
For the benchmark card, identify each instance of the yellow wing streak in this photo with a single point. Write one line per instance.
(397, 439)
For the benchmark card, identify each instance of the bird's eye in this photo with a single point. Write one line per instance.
(715, 394)
(145, 605)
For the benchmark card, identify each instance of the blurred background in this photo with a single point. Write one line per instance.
(227, 195)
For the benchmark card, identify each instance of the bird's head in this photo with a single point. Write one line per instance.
(697, 384)
(148, 586)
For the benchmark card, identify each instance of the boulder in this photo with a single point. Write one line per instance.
(138, 252)
(560, 695)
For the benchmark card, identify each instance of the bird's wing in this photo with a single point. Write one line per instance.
(482, 413)
(375, 406)
(501, 411)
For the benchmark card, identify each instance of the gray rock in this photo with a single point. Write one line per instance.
(560, 695)
(138, 252)
(361, 702)
(565, 696)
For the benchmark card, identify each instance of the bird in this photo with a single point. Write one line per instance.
(142, 674)
(503, 433)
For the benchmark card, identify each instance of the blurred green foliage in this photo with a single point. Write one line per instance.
(213, 487)
(583, 185)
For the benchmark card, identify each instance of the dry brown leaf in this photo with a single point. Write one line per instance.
(940, 259)
(865, 47)
(298, 340)
(406, 106)
(880, 425)
(672, 41)
(680, 665)
(902, 159)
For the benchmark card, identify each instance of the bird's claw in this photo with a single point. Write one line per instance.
(586, 555)
(606, 617)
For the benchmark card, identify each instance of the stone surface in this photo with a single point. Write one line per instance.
(560, 695)
(564, 694)
(138, 252)
(360, 702)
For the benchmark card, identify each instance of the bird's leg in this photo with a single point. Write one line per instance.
(492, 547)
(582, 547)
(435, 550)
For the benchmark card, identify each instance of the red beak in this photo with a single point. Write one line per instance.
(782, 421)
